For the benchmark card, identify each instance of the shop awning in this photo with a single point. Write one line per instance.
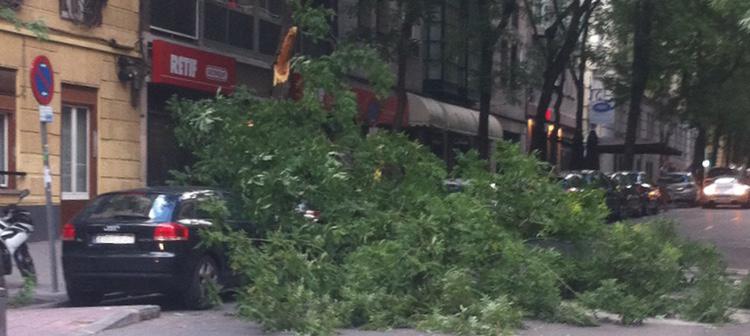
(618, 147)
(432, 113)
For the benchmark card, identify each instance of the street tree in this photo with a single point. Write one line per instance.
(491, 26)
(392, 32)
(556, 37)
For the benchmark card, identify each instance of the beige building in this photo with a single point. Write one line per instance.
(95, 139)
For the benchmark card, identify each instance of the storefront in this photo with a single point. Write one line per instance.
(187, 73)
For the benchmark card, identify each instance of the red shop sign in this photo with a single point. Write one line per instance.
(191, 68)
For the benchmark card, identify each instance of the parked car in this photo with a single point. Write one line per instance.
(144, 241)
(726, 190)
(680, 187)
(650, 195)
(620, 201)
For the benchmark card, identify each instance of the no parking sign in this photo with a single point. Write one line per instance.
(43, 86)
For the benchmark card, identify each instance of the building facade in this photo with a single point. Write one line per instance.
(95, 139)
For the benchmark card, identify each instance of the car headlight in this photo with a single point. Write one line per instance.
(710, 190)
(739, 190)
(653, 194)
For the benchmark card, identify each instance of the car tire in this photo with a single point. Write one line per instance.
(198, 294)
(80, 298)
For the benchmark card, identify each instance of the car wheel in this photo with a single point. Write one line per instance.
(203, 285)
(78, 297)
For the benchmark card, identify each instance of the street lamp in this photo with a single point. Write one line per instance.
(706, 163)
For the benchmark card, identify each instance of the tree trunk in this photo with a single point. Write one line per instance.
(490, 36)
(487, 47)
(402, 64)
(699, 154)
(640, 73)
(554, 140)
(715, 146)
(577, 160)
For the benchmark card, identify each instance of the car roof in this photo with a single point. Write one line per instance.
(173, 190)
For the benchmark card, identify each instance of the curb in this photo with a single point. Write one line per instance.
(127, 316)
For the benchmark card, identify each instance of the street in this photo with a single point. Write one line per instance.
(727, 228)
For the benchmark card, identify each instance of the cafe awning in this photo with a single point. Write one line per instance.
(618, 147)
(424, 111)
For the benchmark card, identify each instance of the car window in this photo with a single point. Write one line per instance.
(131, 206)
(193, 206)
(674, 178)
(572, 181)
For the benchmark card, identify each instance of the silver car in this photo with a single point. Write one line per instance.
(680, 187)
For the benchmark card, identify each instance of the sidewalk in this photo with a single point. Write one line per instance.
(75, 321)
(44, 294)
(48, 314)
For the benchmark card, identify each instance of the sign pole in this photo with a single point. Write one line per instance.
(43, 88)
(51, 227)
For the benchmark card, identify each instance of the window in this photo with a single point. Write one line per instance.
(75, 152)
(241, 25)
(178, 17)
(228, 26)
(7, 110)
(87, 12)
(451, 61)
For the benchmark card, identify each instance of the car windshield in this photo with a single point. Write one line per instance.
(674, 179)
(716, 172)
(132, 206)
(572, 181)
(626, 178)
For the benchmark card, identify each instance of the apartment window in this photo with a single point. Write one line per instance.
(228, 26)
(87, 12)
(451, 60)
(75, 152)
(240, 24)
(7, 112)
(177, 17)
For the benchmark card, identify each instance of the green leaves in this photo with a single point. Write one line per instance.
(37, 27)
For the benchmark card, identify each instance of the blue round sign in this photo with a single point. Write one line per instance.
(602, 107)
(42, 80)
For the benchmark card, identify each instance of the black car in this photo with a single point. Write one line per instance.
(620, 201)
(650, 195)
(143, 241)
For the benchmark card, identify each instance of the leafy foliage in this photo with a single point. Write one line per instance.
(393, 247)
(37, 27)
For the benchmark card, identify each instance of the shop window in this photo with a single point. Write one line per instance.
(178, 17)
(87, 12)
(75, 152)
(7, 112)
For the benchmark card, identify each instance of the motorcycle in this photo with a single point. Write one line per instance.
(15, 229)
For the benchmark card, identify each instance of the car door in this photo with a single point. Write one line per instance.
(193, 213)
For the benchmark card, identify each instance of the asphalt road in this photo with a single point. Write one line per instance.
(727, 228)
